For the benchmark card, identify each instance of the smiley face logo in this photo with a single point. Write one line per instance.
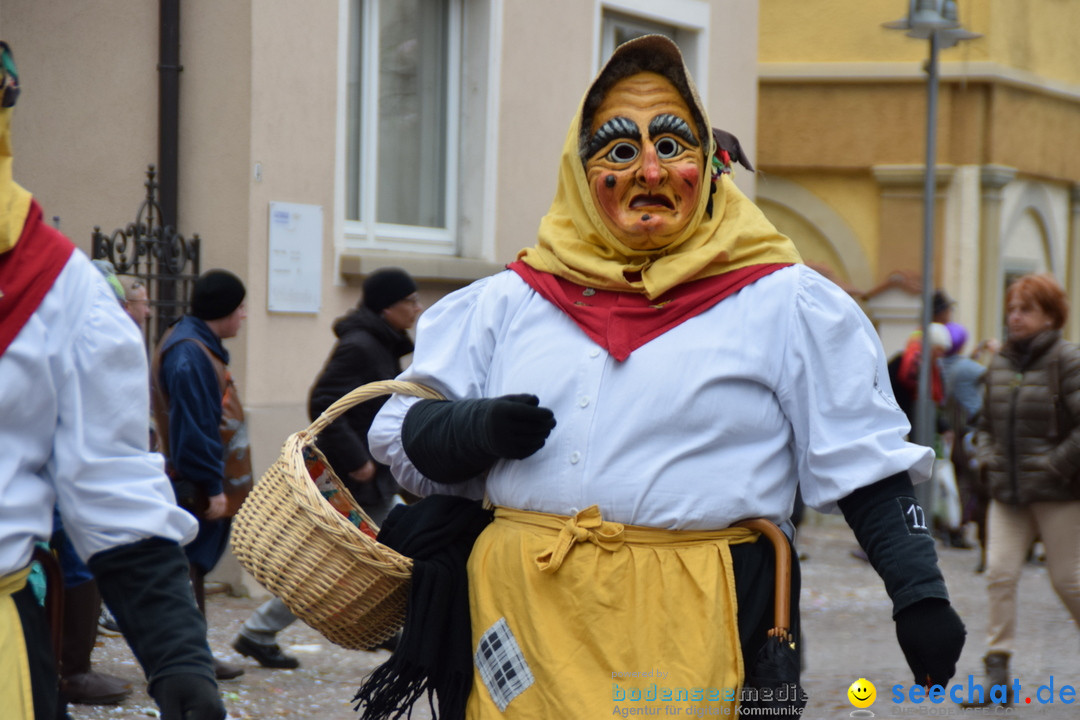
(862, 693)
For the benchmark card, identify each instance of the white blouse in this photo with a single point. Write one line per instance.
(715, 421)
(74, 413)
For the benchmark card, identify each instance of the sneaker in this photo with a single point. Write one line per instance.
(269, 656)
(107, 623)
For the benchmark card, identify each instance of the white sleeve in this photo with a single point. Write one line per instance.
(849, 432)
(455, 341)
(110, 488)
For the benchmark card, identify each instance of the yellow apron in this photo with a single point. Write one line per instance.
(578, 617)
(14, 662)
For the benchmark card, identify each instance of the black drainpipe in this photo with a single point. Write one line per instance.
(169, 111)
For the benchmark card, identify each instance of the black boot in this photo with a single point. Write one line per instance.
(78, 684)
(957, 540)
(997, 673)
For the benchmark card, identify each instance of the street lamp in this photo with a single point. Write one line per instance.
(937, 21)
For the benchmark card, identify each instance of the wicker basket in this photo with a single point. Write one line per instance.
(332, 576)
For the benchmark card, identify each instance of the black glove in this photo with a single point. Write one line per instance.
(515, 426)
(187, 697)
(147, 587)
(453, 441)
(891, 527)
(931, 635)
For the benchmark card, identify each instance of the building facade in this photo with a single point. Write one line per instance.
(318, 141)
(842, 127)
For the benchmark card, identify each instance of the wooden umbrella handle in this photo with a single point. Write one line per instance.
(782, 601)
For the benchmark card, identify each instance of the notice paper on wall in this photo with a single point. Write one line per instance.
(294, 282)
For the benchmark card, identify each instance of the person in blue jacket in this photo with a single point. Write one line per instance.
(200, 421)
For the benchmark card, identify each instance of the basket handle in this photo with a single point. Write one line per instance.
(782, 601)
(367, 392)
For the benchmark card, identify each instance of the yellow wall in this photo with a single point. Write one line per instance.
(815, 248)
(1029, 35)
(844, 31)
(853, 125)
(853, 198)
(1037, 36)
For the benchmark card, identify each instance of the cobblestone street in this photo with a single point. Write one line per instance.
(849, 632)
(846, 618)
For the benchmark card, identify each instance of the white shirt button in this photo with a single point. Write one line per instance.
(595, 352)
(575, 457)
(583, 402)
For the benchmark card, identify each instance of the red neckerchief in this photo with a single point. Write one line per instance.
(621, 322)
(27, 273)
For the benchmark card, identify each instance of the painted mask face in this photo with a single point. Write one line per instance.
(645, 160)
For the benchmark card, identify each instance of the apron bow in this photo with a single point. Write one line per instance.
(586, 526)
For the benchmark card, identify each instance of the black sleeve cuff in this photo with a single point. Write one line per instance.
(442, 440)
(894, 531)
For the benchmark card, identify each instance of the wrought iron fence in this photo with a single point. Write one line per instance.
(165, 261)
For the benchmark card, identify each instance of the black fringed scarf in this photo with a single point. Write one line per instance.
(434, 654)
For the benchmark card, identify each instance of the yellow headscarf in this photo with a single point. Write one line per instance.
(575, 244)
(14, 200)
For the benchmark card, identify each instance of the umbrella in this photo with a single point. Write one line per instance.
(772, 683)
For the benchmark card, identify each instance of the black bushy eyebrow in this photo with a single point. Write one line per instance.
(614, 129)
(674, 125)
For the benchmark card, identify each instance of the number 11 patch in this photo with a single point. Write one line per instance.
(914, 516)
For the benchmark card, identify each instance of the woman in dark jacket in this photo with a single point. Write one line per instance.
(1028, 447)
(371, 343)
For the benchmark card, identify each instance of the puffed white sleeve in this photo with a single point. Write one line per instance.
(848, 430)
(455, 341)
(111, 490)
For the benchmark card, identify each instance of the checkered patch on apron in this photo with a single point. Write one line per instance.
(502, 666)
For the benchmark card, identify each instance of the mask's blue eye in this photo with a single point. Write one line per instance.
(667, 148)
(623, 152)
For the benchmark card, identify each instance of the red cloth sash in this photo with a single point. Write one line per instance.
(27, 273)
(621, 322)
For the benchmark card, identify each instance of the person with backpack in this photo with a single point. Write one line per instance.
(963, 376)
(200, 421)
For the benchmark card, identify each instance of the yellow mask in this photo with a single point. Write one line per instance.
(599, 239)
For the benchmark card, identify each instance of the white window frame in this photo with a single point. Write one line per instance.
(367, 234)
(690, 18)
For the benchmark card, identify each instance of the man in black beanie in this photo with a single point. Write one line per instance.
(372, 340)
(200, 423)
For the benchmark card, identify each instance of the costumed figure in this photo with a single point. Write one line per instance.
(657, 368)
(73, 436)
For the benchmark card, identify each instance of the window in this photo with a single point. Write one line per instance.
(684, 21)
(401, 124)
(620, 27)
